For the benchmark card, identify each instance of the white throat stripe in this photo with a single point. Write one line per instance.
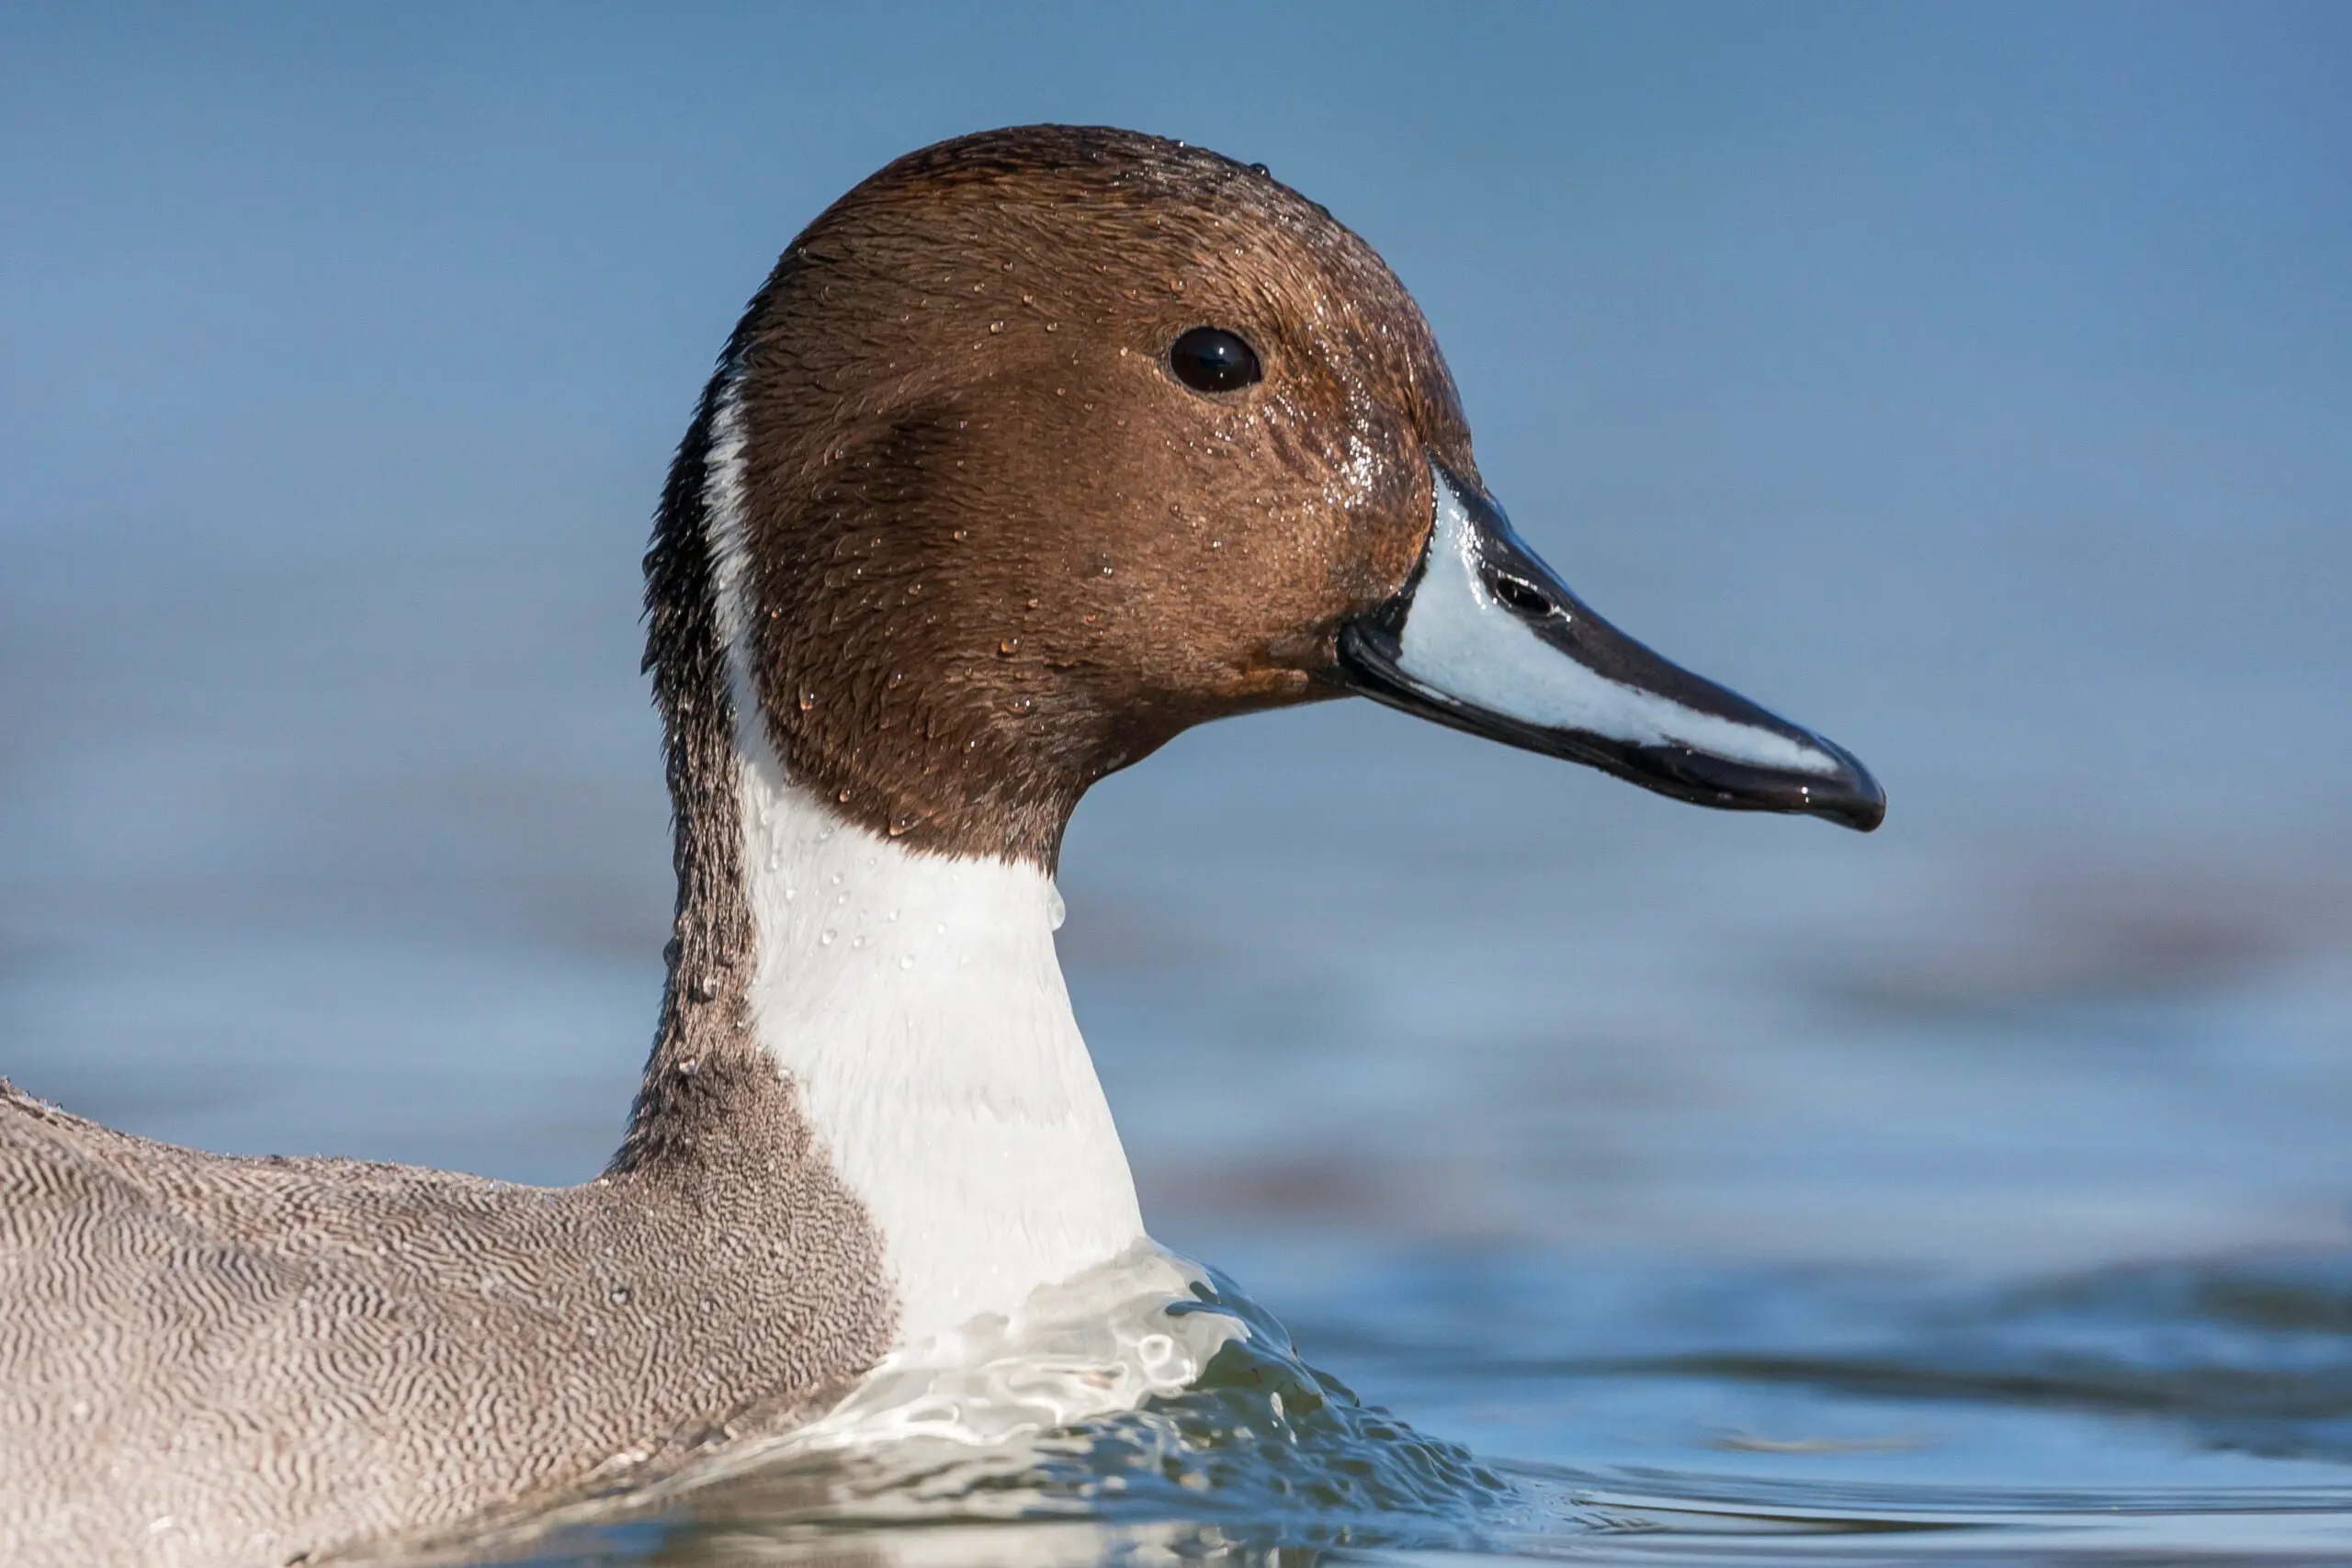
(916, 1002)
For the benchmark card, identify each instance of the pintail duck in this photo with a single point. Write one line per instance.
(1035, 448)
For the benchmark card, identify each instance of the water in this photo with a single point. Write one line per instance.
(2181, 1411)
(1666, 1185)
(1971, 384)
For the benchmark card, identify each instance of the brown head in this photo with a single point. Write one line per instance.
(1044, 444)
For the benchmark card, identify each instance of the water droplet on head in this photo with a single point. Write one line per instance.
(808, 701)
(620, 1296)
(996, 327)
(1022, 705)
(1009, 646)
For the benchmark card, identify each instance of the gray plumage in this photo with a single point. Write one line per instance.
(206, 1359)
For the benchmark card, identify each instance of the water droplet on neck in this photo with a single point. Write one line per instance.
(907, 960)
(1056, 911)
(825, 938)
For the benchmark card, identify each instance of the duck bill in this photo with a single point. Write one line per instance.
(1485, 638)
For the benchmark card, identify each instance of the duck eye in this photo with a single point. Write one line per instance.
(1210, 359)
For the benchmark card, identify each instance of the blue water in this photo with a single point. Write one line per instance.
(1665, 1185)
(1974, 384)
(2199, 1411)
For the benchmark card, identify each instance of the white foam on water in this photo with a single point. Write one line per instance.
(1098, 1344)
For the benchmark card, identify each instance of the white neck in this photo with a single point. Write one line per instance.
(916, 1003)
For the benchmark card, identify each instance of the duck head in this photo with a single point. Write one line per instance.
(1035, 449)
(1044, 444)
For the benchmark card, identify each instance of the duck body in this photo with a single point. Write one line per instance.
(1038, 447)
(265, 1358)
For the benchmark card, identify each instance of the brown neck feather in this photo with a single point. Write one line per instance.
(705, 1029)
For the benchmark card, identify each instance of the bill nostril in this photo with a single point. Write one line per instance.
(1521, 596)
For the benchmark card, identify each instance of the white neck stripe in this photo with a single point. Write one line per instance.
(916, 1002)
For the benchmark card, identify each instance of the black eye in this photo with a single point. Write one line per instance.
(1210, 359)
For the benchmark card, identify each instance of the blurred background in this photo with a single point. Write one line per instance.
(1974, 384)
